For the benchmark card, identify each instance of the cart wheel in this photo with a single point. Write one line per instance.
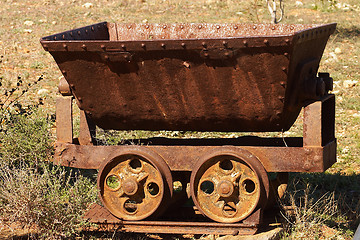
(135, 184)
(228, 185)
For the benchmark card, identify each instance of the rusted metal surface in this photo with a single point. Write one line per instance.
(204, 77)
(275, 159)
(64, 124)
(319, 131)
(87, 131)
(64, 87)
(106, 221)
(135, 184)
(227, 185)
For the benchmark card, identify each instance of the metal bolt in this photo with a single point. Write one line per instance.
(287, 40)
(225, 188)
(163, 45)
(130, 186)
(72, 86)
(183, 45)
(46, 47)
(245, 42)
(164, 27)
(106, 57)
(83, 46)
(147, 26)
(235, 27)
(204, 44)
(282, 83)
(143, 45)
(254, 27)
(218, 27)
(92, 29)
(123, 46)
(286, 54)
(80, 99)
(181, 26)
(64, 72)
(103, 47)
(78, 32)
(273, 28)
(266, 41)
(225, 43)
(284, 69)
(199, 26)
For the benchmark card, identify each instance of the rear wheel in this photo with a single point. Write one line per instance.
(227, 185)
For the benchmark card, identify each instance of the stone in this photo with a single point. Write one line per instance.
(88, 5)
(299, 3)
(270, 235)
(337, 50)
(28, 23)
(349, 83)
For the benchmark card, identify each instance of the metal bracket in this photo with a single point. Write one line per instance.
(64, 124)
(319, 122)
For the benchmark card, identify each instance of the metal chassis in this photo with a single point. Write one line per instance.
(314, 152)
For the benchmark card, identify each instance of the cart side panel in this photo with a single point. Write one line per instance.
(179, 90)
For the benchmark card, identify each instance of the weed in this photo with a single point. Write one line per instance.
(45, 198)
(49, 200)
(315, 211)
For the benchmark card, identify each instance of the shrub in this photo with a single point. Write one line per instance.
(50, 200)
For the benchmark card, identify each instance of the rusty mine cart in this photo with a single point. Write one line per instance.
(193, 77)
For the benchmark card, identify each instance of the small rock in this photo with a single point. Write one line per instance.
(349, 83)
(42, 92)
(299, 3)
(88, 5)
(145, 21)
(337, 50)
(328, 232)
(29, 23)
(345, 150)
(53, 22)
(334, 56)
(357, 114)
(270, 235)
(28, 30)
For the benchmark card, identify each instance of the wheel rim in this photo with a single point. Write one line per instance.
(134, 185)
(226, 187)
